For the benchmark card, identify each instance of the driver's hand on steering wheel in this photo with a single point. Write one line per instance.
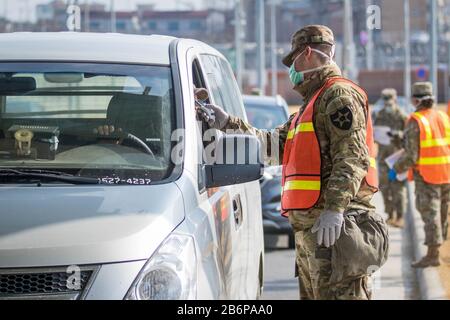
(106, 130)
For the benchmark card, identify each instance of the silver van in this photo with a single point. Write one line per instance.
(108, 187)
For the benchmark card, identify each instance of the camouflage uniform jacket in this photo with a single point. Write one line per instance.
(344, 152)
(412, 145)
(395, 119)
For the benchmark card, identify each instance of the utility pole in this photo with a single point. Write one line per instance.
(28, 11)
(273, 46)
(407, 75)
(349, 61)
(5, 9)
(113, 16)
(261, 45)
(238, 37)
(369, 45)
(434, 49)
(87, 16)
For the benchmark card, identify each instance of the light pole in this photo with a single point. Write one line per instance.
(434, 49)
(349, 61)
(407, 75)
(87, 16)
(113, 16)
(261, 45)
(369, 44)
(238, 37)
(273, 46)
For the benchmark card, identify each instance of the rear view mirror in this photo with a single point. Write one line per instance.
(63, 77)
(16, 86)
(237, 160)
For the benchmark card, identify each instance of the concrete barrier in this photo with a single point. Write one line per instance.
(430, 285)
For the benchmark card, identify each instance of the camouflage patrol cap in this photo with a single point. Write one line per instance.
(312, 34)
(389, 94)
(422, 89)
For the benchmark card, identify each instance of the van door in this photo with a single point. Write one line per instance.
(217, 211)
(253, 195)
(223, 89)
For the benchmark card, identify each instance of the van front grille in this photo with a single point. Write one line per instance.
(34, 283)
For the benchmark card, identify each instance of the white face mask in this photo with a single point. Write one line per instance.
(297, 77)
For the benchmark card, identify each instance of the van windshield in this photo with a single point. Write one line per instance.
(108, 121)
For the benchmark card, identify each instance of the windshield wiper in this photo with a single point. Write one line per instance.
(47, 175)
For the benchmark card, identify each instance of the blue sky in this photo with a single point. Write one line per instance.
(17, 9)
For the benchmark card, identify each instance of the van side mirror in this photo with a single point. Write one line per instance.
(237, 160)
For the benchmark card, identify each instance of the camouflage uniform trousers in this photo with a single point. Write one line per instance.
(394, 193)
(432, 201)
(313, 267)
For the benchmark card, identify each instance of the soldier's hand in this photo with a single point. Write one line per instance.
(328, 227)
(214, 115)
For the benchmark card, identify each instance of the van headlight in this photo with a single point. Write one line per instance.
(170, 274)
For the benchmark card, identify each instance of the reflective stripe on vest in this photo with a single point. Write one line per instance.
(429, 141)
(301, 178)
(301, 185)
(302, 127)
(434, 153)
(433, 160)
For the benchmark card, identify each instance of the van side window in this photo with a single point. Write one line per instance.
(222, 85)
(230, 85)
(199, 82)
(197, 76)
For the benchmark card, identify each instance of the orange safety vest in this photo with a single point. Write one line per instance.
(434, 152)
(301, 178)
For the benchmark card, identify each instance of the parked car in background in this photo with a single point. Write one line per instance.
(266, 113)
(106, 194)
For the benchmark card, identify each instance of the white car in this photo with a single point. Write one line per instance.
(105, 192)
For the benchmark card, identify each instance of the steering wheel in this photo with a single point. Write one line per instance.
(137, 141)
(122, 136)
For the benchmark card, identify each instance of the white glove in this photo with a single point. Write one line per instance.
(214, 115)
(329, 226)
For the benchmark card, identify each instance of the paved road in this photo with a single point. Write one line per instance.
(395, 281)
(280, 283)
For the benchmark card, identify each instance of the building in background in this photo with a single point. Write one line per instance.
(215, 25)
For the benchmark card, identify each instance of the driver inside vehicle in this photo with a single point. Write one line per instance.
(201, 96)
(95, 120)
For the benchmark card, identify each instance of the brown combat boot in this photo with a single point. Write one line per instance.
(430, 260)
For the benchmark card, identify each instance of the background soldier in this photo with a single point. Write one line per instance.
(394, 192)
(329, 175)
(427, 137)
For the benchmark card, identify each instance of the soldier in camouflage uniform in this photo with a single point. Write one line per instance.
(432, 200)
(345, 163)
(394, 192)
